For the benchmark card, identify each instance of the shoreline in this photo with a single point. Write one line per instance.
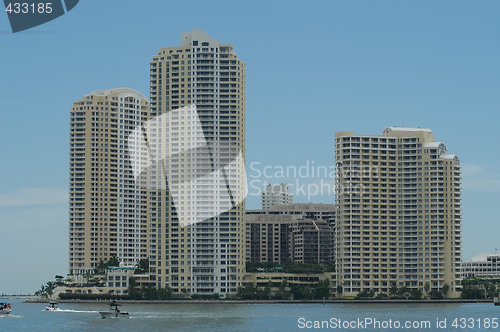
(343, 301)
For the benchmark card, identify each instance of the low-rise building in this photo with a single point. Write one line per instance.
(482, 266)
(263, 279)
(118, 278)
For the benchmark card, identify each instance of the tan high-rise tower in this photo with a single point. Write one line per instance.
(399, 212)
(204, 257)
(108, 206)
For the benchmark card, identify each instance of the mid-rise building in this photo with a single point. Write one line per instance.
(399, 217)
(311, 241)
(484, 267)
(276, 195)
(205, 257)
(301, 233)
(108, 205)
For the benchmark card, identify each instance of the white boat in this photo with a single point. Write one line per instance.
(52, 307)
(5, 308)
(114, 311)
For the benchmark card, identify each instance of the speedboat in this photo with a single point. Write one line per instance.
(114, 311)
(5, 308)
(52, 307)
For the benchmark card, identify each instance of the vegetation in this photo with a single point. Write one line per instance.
(47, 290)
(205, 297)
(480, 288)
(399, 293)
(285, 291)
(251, 292)
(365, 294)
(147, 292)
(288, 267)
(102, 266)
(142, 267)
(85, 296)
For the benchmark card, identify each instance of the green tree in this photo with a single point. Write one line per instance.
(133, 292)
(436, 294)
(365, 294)
(473, 293)
(322, 290)
(247, 292)
(415, 294)
(59, 280)
(283, 292)
(142, 266)
(394, 290)
(49, 289)
(445, 289)
(113, 261)
(427, 288)
(164, 293)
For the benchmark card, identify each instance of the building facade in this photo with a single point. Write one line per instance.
(399, 218)
(311, 241)
(108, 205)
(276, 195)
(301, 233)
(198, 257)
(483, 268)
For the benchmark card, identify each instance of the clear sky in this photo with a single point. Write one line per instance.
(313, 68)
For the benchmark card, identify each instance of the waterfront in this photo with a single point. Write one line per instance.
(239, 317)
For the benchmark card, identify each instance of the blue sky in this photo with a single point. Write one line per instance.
(313, 68)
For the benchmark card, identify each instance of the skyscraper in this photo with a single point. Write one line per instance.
(188, 256)
(108, 206)
(399, 212)
(276, 195)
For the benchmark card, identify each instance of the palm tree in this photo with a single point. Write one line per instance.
(42, 291)
(393, 291)
(427, 288)
(50, 287)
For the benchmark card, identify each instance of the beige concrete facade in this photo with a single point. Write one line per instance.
(206, 257)
(399, 212)
(263, 279)
(108, 207)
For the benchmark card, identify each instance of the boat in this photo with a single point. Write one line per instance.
(114, 311)
(496, 301)
(5, 308)
(52, 307)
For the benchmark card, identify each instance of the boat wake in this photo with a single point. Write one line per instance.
(71, 310)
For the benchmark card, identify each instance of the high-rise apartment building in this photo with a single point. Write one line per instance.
(276, 195)
(197, 257)
(399, 211)
(108, 205)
